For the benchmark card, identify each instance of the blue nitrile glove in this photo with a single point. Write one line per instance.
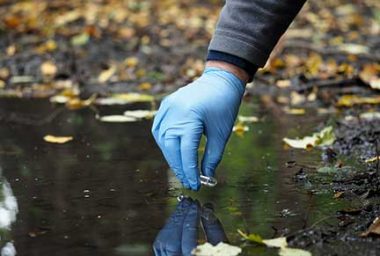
(209, 105)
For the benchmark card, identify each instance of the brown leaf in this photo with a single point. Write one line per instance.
(374, 229)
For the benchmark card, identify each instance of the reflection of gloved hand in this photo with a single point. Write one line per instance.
(179, 235)
(209, 105)
(212, 226)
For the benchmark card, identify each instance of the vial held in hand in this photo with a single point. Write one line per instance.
(208, 181)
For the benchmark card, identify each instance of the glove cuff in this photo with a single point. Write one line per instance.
(229, 76)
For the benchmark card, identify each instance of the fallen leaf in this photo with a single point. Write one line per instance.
(325, 137)
(294, 111)
(56, 139)
(374, 229)
(248, 119)
(77, 103)
(276, 242)
(283, 83)
(145, 86)
(117, 119)
(80, 39)
(354, 48)
(286, 251)
(240, 129)
(105, 75)
(131, 62)
(279, 242)
(373, 159)
(221, 249)
(48, 69)
(133, 97)
(338, 194)
(351, 100)
(140, 114)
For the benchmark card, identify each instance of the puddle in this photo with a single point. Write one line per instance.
(108, 192)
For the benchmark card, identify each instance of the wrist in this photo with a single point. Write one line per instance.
(235, 70)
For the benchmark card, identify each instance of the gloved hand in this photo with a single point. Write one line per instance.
(207, 106)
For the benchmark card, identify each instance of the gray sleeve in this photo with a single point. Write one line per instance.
(250, 29)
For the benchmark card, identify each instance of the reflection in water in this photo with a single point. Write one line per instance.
(8, 212)
(179, 236)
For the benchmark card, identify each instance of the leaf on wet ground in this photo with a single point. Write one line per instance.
(325, 137)
(140, 114)
(351, 100)
(294, 111)
(48, 69)
(124, 98)
(372, 159)
(105, 75)
(117, 119)
(57, 139)
(374, 229)
(221, 249)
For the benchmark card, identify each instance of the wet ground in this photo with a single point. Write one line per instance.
(109, 192)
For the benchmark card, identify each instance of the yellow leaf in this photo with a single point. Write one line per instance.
(145, 86)
(48, 69)
(240, 129)
(351, 100)
(131, 62)
(373, 159)
(323, 138)
(4, 73)
(77, 103)
(58, 140)
(133, 97)
(295, 111)
(105, 75)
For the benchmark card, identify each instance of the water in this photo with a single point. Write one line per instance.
(109, 192)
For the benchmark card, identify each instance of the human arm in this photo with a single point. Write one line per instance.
(245, 35)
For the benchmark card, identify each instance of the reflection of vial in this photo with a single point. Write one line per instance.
(208, 181)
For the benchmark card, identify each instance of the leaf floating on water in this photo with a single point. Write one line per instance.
(57, 139)
(240, 129)
(248, 119)
(133, 97)
(374, 229)
(325, 137)
(276, 242)
(117, 119)
(140, 114)
(279, 242)
(221, 249)
(286, 251)
(354, 48)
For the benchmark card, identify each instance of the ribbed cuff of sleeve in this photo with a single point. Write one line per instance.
(234, 60)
